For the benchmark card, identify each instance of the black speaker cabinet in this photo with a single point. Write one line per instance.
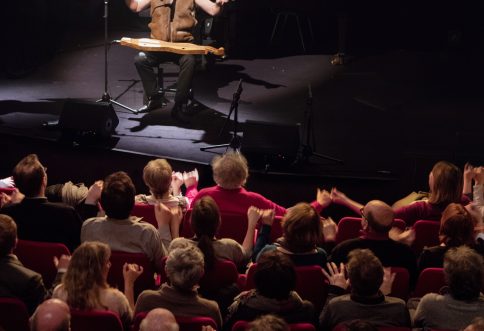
(81, 117)
(268, 144)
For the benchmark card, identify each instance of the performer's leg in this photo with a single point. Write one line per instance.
(185, 78)
(145, 63)
(187, 69)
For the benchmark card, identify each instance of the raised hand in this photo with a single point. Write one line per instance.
(330, 229)
(62, 263)
(336, 276)
(253, 216)
(131, 272)
(176, 182)
(190, 178)
(323, 197)
(388, 278)
(94, 192)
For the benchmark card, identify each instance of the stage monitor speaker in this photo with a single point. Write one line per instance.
(270, 145)
(88, 117)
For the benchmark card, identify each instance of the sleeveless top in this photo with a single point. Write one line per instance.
(172, 20)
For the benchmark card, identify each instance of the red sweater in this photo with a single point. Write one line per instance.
(238, 201)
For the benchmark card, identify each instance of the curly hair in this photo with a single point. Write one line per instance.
(456, 226)
(86, 275)
(464, 272)
(302, 228)
(230, 170)
(185, 267)
(447, 184)
(157, 176)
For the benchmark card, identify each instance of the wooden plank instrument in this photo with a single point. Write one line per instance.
(155, 45)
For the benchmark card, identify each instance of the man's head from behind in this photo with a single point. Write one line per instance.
(159, 319)
(51, 315)
(365, 272)
(117, 197)
(30, 176)
(378, 216)
(275, 275)
(8, 235)
(464, 272)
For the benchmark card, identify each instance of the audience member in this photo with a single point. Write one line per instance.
(164, 185)
(84, 285)
(476, 325)
(230, 172)
(268, 323)
(159, 319)
(360, 325)
(377, 220)
(275, 281)
(464, 273)
(184, 268)
(445, 183)
(16, 280)
(40, 220)
(51, 315)
(456, 229)
(367, 300)
(205, 222)
(302, 234)
(476, 208)
(118, 229)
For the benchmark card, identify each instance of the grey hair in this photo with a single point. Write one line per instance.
(184, 267)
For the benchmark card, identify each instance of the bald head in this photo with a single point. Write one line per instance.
(51, 315)
(159, 319)
(379, 216)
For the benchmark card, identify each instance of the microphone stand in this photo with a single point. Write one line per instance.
(306, 151)
(235, 142)
(106, 97)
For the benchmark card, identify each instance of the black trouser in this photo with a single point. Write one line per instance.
(145, 62)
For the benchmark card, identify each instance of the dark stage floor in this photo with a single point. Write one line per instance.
(388, 116)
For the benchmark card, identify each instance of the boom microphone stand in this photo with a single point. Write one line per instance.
(106, 97)
(306, 151)
(235, 142)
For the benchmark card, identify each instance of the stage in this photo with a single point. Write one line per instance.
(388, 116)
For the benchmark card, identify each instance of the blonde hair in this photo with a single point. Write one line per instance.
(157, 176)
(447, 186)
(230, 170)
(85, 276)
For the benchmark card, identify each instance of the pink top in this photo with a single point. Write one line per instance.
(238, 201)
(423, 210)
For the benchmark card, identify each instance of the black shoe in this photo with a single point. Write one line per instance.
(153, 103)
(179, 111)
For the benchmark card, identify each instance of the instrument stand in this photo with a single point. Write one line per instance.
(106, 97)
(235, 142)
(306, 150)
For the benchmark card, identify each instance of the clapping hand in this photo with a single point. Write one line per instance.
(336, 276)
